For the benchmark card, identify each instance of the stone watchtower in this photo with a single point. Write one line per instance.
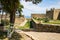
(53, 14)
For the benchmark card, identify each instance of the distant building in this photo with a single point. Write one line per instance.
(53, 14)
(38, 15)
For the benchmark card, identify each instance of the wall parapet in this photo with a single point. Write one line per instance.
(45, 27)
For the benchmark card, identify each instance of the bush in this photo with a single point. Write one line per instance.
(3, 34)
(46, 20)
(5, 22)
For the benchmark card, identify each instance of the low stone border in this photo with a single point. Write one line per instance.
(26, 34)
(29, 36)
(45, 27)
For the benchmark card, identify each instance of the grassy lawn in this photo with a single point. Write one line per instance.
(26, 26)
(54, 22)
(49, 22)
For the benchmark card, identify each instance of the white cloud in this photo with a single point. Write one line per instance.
(30, 6)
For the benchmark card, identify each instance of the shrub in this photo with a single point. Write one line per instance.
(46, 20)
(5, 22)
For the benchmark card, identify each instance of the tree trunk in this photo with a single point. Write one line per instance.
(12, 18)
(12, 21)
(5, 16)
(1, 16)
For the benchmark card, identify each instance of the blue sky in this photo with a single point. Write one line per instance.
(30, 8)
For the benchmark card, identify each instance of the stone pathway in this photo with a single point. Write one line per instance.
(42, 35)
(25, 37)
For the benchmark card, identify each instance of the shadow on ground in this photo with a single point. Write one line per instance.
(3, 34)
(15, 36)
(34, 30)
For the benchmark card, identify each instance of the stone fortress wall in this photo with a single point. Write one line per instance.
(53, 14)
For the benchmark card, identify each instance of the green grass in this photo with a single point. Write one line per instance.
(54, 22)
(45, 19)
(26, 26)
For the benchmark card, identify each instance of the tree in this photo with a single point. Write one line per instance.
(34, 1)
(20, 10)
(11, 6)
(2, 17)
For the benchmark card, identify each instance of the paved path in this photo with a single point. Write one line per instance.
(42, 35)
(25, 37)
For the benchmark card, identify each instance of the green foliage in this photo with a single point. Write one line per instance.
(39, 19)
(26, 26)
(46, 20)
(34, 1)
(5, 22)
(10, 5)
(34, 18)
(20, 10)
(53, 22)
(3, 35)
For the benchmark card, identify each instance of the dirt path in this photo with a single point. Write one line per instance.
(41, 35)
(25, 37)
(44, 35)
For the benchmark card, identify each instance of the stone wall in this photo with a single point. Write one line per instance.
(56, 14)
(45, 27)
(49, 14)
(38, 15)
(53, 14)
